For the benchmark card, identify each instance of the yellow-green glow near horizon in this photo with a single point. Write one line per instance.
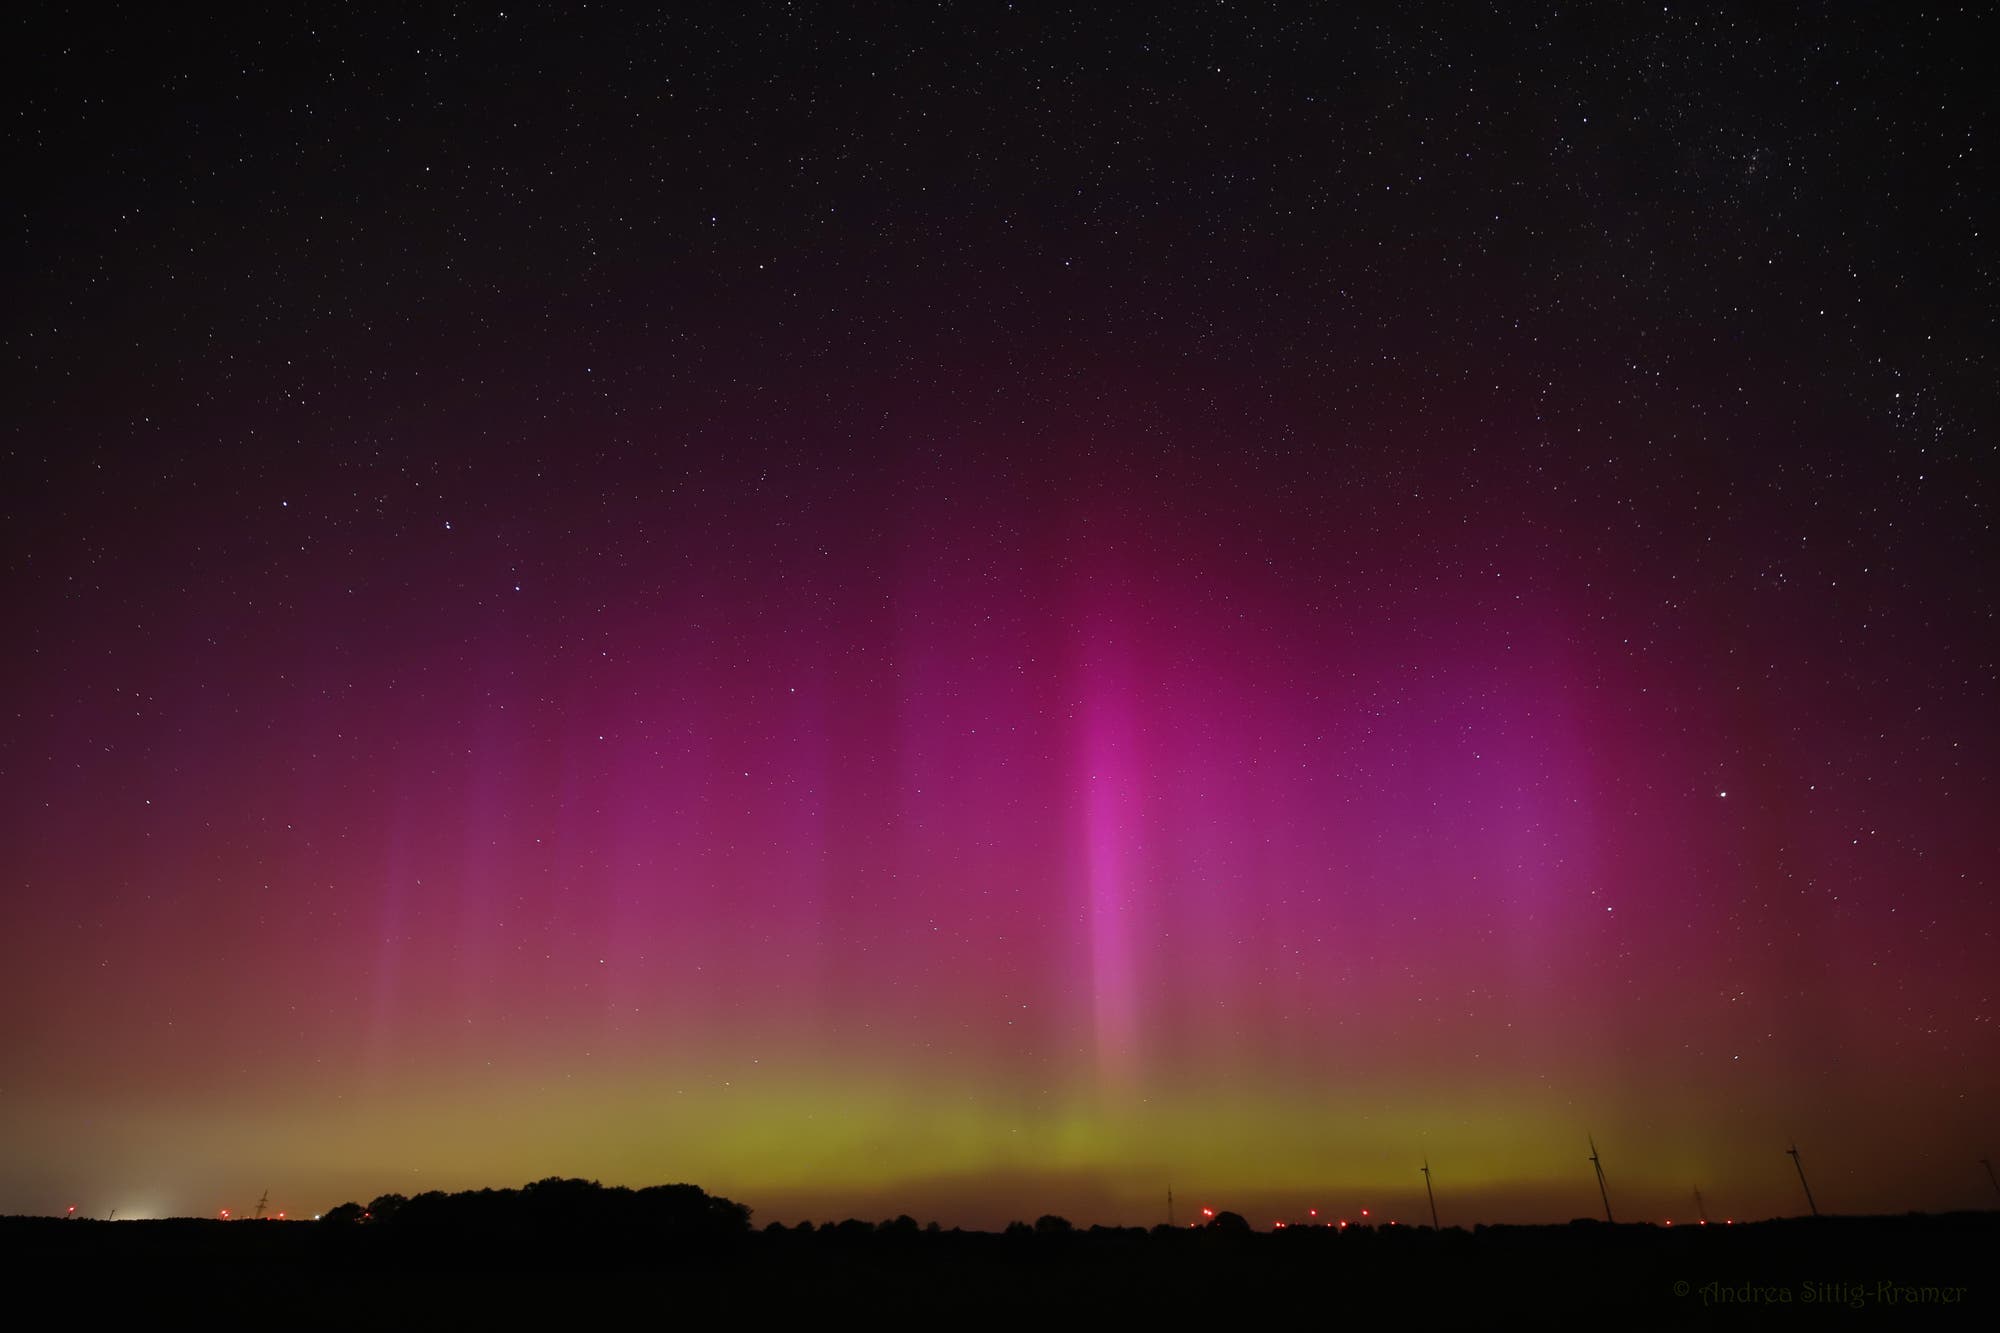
(807, 1140)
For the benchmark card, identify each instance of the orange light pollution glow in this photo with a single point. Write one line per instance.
(1208, 642)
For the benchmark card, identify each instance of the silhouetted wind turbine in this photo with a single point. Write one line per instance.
(1700, 1207)
(1793, 1153)
(1427, 1193)
(1987, 1162)
(1602, 1192)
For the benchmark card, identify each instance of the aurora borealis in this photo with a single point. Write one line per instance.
(986, 614)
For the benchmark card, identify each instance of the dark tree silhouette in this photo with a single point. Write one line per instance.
(560, 1207)
(1048, 1224)
(348, 1213)
(385, 1207)
(1230, 1224)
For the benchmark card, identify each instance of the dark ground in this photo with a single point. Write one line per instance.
(1924, 1270)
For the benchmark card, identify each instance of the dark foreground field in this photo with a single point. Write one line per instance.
(1918, 1270)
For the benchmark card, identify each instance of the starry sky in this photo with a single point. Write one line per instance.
(989, 610)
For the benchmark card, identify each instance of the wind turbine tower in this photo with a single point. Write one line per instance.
(1602, 1192)
(1793, 1153)
(1429, 1195)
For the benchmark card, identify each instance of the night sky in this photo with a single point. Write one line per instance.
(983, 609)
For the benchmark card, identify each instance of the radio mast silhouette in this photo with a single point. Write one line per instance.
(1427, 1193)
(1793, 1153)
(1700, 1207)
(1602, 1192)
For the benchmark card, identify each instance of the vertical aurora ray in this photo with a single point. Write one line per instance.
(1109, 783)
(1111, 814)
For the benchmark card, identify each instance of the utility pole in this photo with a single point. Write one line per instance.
(1429, 1195)
(1793, 1153)
(1602, 1192)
